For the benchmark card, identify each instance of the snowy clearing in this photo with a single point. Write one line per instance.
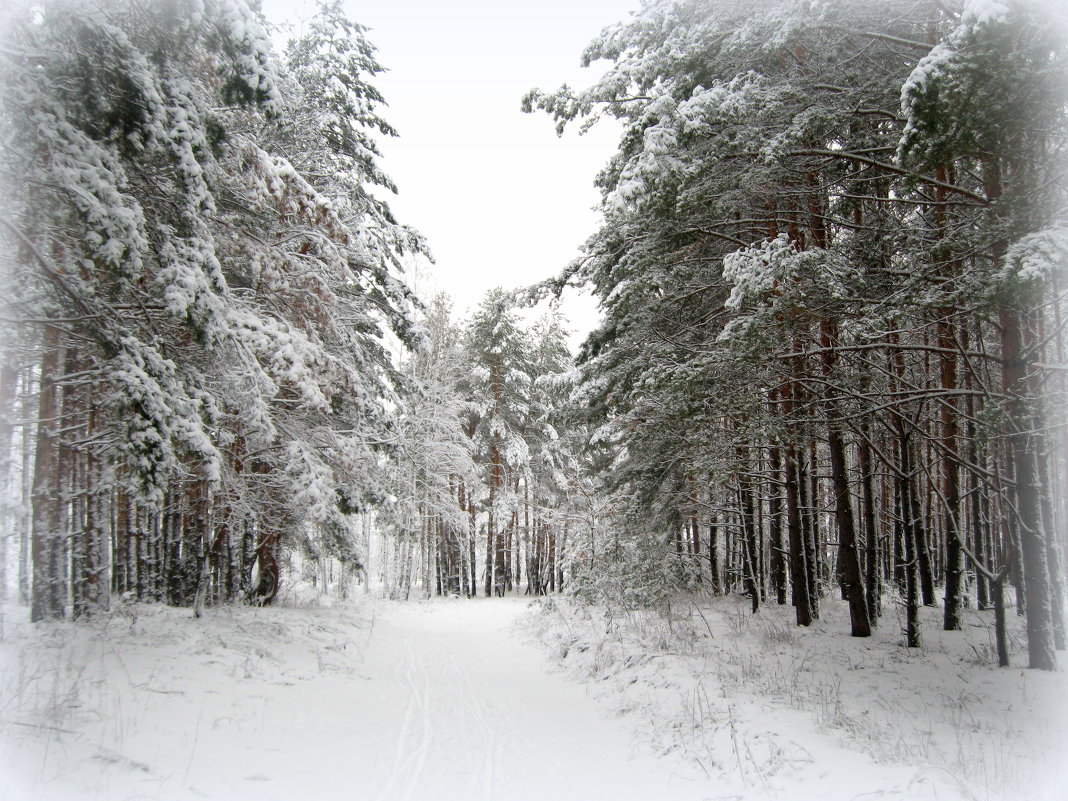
(453, 699)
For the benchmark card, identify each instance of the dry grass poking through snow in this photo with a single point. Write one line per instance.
(775, 711)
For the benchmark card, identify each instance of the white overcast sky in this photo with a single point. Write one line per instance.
(500, 198)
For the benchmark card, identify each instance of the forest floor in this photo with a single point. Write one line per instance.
(774, 711)
(506, 700)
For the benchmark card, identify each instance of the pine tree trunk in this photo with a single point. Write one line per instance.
(46, 600)
(551, 560)
(95, 569)
(979, 528)
(534, 559)
(860, 625)
(493, 576)
(29, 437)
(906, 507)
(852, 581)
(778, 561)
(899, 541)
(174, 546)
(977, 495)
(76, 495)
(713, 555)
(558, 557)
(922, 543)
(808, 482)
(1024, 450)
(197, 537)
(799, 584)
(203, 578)
(871, 532)
(694, 540)
(794, 480)
(913, 636)
(954, 567)
(909, 565)
(8, 520)
(997, 588)
(748, 561)
(472, 535)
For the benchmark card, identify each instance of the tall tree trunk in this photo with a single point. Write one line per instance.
(809, 484)
(905, 505)
(853, 582)
(491, 538)
(1024, 448)
(778, 561)
(46, 601)
(954, 567)
(207, 546)
(794, 477)
(1053, 555)
(694, 541)
(978, 500)
(98, 583)
(8, 520)
(794, 481)
(29, 442)
(748, 538)
(558, 557)
(799, 584)
(871, 532)
(913, 636)
(472, 549)
(1024, 451)
(923, 548)
(716, 584)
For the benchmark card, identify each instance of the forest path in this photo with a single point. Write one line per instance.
(464, 708)
(381, 702)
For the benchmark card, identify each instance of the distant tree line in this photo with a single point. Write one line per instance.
(489, 474)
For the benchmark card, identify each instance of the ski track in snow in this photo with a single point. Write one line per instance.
(484, 720)
(435, 700)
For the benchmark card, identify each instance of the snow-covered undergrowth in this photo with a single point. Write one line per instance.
(770, 710)
(148, 702)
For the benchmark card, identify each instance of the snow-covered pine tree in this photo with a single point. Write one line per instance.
(554, 441)
(499, 386)
(801, 237)
(214, 321)
(432, 467)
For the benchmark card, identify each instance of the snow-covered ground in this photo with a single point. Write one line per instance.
(383, 701)
(453, 700)
(770, 710)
